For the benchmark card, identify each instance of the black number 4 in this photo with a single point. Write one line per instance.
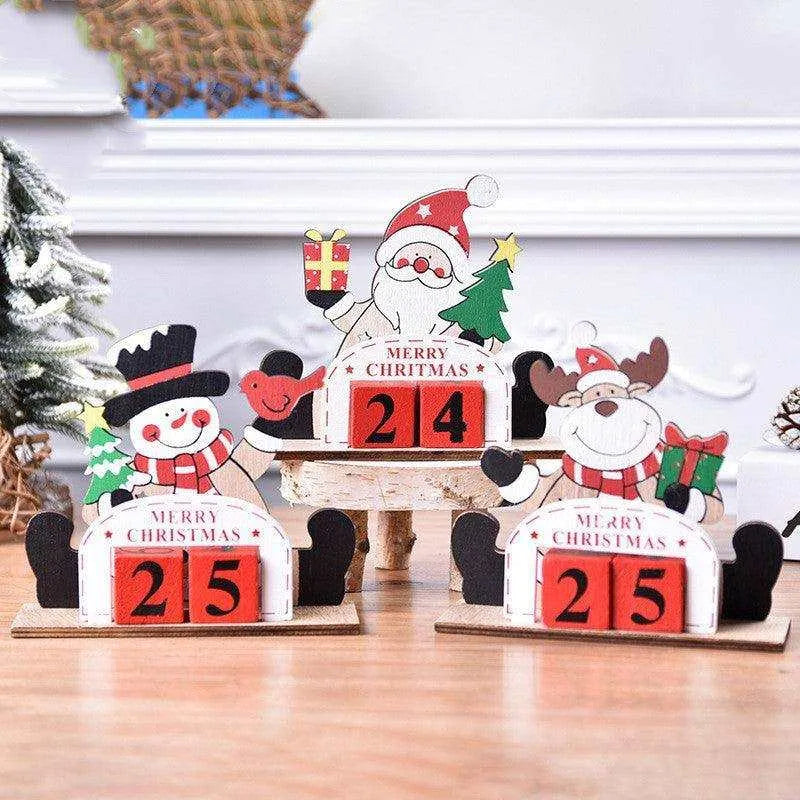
(455, 426)
(224, 585)
(649, 593)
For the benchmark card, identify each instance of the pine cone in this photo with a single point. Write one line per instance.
(786, 422)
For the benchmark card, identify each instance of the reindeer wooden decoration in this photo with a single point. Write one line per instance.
(599, 554)
(612, 439)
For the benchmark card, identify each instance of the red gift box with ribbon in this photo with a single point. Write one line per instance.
(326, 261)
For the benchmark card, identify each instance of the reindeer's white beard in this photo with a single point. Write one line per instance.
(411, 307)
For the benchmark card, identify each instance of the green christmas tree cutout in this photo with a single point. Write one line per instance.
(483, 305)
(110, 468)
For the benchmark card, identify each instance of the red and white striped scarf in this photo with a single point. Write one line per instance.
(188, 472)
(621, 483)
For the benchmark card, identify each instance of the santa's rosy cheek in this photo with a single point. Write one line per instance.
(201, 418)
(439, 272)
(150, 433)
(401, 262)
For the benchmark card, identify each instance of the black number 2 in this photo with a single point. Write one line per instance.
(378, 436)
(649, 593)
(455, 426)
(145, 607)
(581, 585)
(224, 585)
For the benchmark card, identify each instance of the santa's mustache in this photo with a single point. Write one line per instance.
(428, 277)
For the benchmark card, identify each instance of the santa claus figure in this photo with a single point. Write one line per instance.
(174, 425)
(423, 264)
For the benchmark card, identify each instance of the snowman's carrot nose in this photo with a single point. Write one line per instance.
(178, 423)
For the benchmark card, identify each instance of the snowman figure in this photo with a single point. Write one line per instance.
(175, 427)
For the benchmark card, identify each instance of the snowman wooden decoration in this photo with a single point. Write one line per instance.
(174, 425)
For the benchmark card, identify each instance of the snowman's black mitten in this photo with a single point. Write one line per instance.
(52, 559)
(676, 497)
(481, 566)
(120, 496)
(322, 569)
(324, 298)
(502, 467)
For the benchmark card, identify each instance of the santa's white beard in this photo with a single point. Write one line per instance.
(411, 306)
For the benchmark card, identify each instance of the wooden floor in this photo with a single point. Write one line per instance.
(397, 712)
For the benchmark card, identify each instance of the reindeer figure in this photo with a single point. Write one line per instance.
(611, 436)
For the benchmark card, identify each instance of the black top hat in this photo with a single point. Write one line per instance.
(157, 364)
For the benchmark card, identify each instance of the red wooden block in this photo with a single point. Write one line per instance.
(576, 589)
(148, 585)
(383, 414)
(224, 584)
(451, 414)
(649, 593)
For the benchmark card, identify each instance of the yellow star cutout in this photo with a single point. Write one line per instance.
(506, 250)
(92, 417)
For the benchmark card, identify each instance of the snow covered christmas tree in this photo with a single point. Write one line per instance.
(48, 294)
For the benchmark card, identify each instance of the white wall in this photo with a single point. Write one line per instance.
(553, 58)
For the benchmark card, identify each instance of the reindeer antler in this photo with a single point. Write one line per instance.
(649, 368)
(551, 385)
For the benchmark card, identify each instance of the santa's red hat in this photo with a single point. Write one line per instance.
(438, 219)
(598, 367)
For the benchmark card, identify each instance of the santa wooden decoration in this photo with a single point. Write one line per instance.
(422, 266)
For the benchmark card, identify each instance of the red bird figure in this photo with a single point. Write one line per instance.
(273, 397)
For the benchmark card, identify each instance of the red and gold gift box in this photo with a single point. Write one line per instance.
(325, 261)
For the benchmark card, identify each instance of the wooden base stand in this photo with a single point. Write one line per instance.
(34, 622)
(770, 635)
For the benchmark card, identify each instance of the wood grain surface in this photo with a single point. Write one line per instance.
(398, 712)
(318, 450)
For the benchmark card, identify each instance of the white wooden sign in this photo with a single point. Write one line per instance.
(183, 521)
(403, 359)
(609, 525)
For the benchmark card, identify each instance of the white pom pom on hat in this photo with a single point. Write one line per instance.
(482, 191)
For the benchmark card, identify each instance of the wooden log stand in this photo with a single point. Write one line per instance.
(379, 490)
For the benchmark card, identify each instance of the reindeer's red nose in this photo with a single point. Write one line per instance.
(605, 408)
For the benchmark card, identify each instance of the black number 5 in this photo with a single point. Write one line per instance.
(224, 585)
(649, 593)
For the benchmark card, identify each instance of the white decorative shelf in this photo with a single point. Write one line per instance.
(657, 177)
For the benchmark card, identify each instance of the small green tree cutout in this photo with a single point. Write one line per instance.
(110, 468)
(483, 305)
